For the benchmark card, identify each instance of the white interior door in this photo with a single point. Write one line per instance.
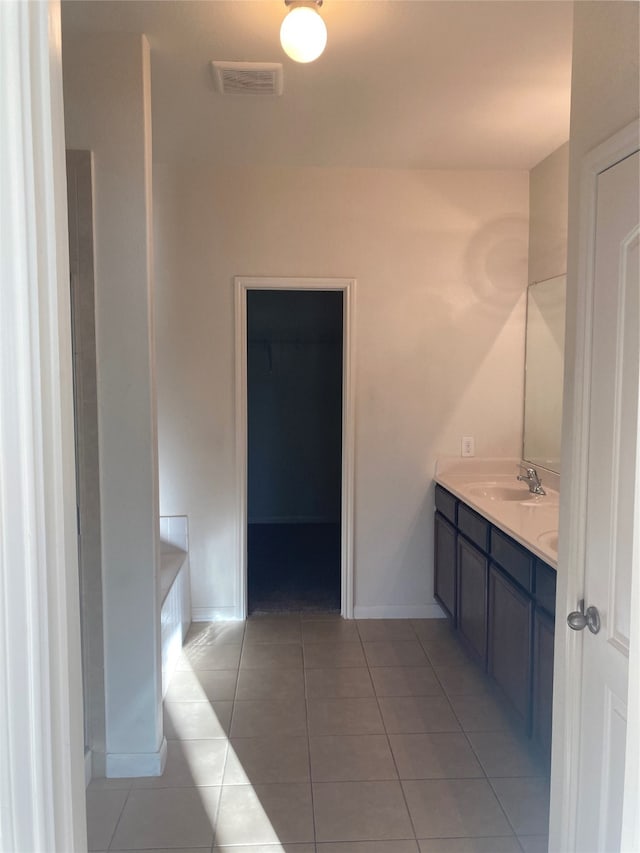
(611, 513)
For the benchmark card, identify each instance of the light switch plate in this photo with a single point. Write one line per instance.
(468, 446)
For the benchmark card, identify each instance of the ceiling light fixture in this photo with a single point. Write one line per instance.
(303, 34)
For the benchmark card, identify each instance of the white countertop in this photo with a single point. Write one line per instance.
(533, 522)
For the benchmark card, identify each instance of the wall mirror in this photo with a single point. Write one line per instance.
(544, 368)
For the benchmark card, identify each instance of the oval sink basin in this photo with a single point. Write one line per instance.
(500, 492)
(549, 539)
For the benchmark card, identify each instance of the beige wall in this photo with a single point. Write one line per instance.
(548, 202)
(441, 264)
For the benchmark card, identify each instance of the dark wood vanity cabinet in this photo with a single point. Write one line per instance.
(501, 599)
(473, 575)
(542, 682)
(445, 566)
(510, 632)
(473, 580)
(511, 621)
(445, 553)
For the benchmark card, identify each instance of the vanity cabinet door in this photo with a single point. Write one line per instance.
(542, 698)
(509, 654)
(445, 565)
(473, 568)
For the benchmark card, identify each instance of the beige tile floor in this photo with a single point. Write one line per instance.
(309, 734)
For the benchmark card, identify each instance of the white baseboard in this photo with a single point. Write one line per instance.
(399, 611)
(384, 611)
(122, 765)
(98, 764)
(214, 614)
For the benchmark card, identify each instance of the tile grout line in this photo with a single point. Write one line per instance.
(442, 687)
(219, 803)
(455, 714)
(306, 712)
(300, 643)
(115, 828)
(228, 742)
(477, 757)
(502, 807)
(227, 747)
(235, 692)
(308, 736)
(315, 843)
(462, 729)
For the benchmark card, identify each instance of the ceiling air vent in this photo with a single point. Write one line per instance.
(247, 78)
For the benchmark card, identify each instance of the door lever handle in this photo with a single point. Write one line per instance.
(580, 619)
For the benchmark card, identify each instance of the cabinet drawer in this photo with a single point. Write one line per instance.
(474, 526)
(446, 504)
(513, 559)
(545, 587)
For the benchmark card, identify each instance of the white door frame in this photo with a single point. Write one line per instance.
(348, 287)
(571, 558)
(42, 786)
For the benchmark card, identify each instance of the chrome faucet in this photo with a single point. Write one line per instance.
(531, 477)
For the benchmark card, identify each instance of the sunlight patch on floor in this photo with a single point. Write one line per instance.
(241, 817)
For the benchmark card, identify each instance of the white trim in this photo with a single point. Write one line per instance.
(88, 766)
(400, 611)
(42, 788)
(215, 614)
(630, 834)
(573, 502)
(122, 765)
(241, 451)
(348, 287)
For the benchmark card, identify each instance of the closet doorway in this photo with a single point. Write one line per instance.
(294, 406)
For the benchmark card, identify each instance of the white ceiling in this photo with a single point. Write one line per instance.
(402, 83)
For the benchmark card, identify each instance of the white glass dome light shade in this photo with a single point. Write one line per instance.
(303, 34)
